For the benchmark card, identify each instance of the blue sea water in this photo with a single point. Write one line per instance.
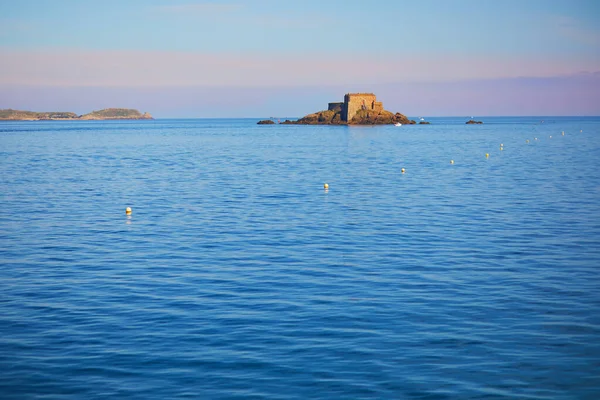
(238, 276)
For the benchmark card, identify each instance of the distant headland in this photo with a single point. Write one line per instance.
(105, 114)
(356, 109)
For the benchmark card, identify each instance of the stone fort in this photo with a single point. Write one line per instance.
(354, 102)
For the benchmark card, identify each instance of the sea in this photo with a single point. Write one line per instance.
(444, 261)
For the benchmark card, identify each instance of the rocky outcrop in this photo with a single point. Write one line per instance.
(327, 117)
(357, 109)
(18, 115)
(108, 113)
(383, 117)
(473, 122)
(424, 123)
(362, 117)
(115, 113)
(266, 122)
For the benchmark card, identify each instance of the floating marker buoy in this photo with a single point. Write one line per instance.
(326, 186)
(535, 138)
(451, 161)
(527, 141)
(563, 133)
(403, 170)
(128, 211)
(487, 155)
(501, 148)
(501, 145)
(550, 136)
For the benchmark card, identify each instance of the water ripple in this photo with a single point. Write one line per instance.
(239, 276)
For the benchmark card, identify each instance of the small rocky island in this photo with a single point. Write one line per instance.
(105, 114)
(356, 109)
(473, 122)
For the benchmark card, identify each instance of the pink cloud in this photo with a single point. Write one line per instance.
(156, 68)
(577, 94)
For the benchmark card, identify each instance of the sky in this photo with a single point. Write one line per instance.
(261, 58)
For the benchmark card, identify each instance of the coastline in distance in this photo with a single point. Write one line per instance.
(105, 114)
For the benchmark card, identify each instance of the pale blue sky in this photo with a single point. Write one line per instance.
(488, 26)
(279, 47)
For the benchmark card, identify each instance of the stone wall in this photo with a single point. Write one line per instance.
(335, 106)
(357, 101)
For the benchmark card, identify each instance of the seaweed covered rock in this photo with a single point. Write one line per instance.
(266, 122)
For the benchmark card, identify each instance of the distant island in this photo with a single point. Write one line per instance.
(105, 114)
(356, 109)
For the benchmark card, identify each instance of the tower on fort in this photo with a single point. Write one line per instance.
(354, 102)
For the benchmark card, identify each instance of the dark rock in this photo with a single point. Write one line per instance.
(266, 122)
(473, 122)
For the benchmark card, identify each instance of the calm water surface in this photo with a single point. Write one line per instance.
(239, 276)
